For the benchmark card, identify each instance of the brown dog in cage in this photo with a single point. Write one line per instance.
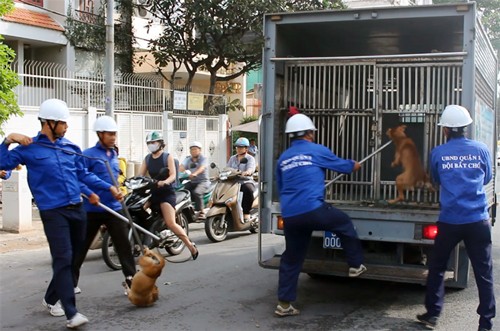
(407, 156)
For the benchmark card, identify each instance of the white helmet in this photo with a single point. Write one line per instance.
(455, 116)
(299, 123)
(54, 109)
(195, 144)
(105, 123)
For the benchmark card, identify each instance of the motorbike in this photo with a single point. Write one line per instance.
(225, 213)
(150, 219)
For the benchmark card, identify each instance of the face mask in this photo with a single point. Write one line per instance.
(153, 147)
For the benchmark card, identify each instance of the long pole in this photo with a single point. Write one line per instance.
(110, 61)
(362, 161)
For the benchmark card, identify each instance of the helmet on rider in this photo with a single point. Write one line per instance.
(298, 125)
(53, 110)
(242, 142)
(105, 124)
(154, 140)
(154, 136)
(195, 144)
(455, 116)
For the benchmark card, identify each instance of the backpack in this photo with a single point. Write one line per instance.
(165, 162)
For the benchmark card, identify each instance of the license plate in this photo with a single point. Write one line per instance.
(330, 240)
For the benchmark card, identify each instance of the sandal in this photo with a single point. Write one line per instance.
(195, 255)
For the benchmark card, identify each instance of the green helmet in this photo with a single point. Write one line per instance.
(154, 136)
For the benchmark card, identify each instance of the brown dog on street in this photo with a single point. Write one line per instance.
(406, 155)
(144, 292)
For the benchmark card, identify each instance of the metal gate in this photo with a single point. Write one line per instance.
(354, 103)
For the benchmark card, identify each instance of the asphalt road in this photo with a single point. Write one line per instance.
(224, 289)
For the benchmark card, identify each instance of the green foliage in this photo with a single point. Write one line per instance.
(88, 31)
(8, 78)
(216, 34)
(248, 119)
(235, 105)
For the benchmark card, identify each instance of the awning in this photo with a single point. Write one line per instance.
(247, 127)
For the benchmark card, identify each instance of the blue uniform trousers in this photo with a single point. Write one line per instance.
(65, 231)
(477, 240)
(298, 231)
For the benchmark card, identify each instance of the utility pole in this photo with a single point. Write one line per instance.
(110, 60)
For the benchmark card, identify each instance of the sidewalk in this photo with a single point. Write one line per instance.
(26, 240)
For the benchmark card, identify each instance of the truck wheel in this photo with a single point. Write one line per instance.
(109, 254)
(216, 228)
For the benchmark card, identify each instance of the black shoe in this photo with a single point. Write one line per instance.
(483, 329)
(428, 320)
(195, 255)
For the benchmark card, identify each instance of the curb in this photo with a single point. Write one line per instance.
(25, 240)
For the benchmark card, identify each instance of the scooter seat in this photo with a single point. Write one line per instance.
(180, 196)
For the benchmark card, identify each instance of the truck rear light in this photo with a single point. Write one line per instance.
(430, 231)
(281, 223)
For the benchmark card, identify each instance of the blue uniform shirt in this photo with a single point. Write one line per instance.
(97, 165)
(462, 167)
(300, 175)
(53, 175)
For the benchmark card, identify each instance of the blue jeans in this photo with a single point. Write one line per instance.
(298, 231)
(65, 231)
(477, 240)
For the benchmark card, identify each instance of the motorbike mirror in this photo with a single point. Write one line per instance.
(244, 160)
(163, 174)
(213, 165)
(192, 165)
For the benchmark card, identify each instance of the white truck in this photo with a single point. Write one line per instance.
(357, 73)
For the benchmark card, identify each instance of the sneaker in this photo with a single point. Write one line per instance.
(428, 320)
(355, 272)
(55, 309)
(76, 321)
(290, 311)
(77, 290)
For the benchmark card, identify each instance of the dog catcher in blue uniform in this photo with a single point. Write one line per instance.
(300, 175)
(55, 170)
(461, 167)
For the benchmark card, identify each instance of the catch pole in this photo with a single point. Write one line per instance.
(378, 150)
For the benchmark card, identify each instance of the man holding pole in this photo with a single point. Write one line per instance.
(300, 175)
(104, 150)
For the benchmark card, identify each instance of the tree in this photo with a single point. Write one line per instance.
(217, 34)
(8, 77)
(87, 31)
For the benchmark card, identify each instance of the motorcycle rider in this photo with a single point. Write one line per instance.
(164, 194)
(247, 169)
(197, 166)
(106, 130)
